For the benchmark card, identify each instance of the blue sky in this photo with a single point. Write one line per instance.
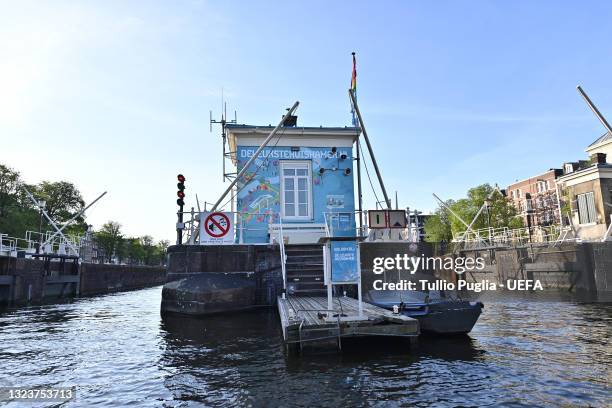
(115, 95)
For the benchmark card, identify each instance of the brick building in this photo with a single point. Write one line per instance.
(538, 193)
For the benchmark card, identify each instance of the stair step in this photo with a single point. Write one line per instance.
(303, 264)
(314, 279)
(304, 246)
(304, 252)
(297, 267)
(308, 291)
(305, 273)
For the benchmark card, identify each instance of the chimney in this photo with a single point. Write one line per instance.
(598, 158)
(291, 121)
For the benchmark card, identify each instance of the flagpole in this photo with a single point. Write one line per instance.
(354, 88)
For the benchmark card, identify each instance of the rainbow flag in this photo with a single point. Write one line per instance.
(354, 76)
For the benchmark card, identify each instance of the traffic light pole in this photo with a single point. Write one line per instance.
(179, 231)
(181, 195)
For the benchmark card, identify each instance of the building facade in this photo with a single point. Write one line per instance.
(588, 194)
(301, 181)
(537, 196)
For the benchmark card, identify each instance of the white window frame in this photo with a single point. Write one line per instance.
(294, 164)
(587, 211)
(542, 186)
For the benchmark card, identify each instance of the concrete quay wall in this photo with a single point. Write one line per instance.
(32, 281)
(582, 268)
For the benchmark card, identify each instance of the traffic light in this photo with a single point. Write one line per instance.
(181, 190)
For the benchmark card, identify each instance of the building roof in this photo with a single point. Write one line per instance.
(534, 179)
(606, 137)
(348, 129)
(293, 135)
(591, 172)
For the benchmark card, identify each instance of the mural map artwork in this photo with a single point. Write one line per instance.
(259, 191)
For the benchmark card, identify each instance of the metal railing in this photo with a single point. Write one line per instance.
(53, 244)
(283, 255)
(335, 224)
(8, 244)
(510, 236)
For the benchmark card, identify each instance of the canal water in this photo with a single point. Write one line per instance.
(118, 351)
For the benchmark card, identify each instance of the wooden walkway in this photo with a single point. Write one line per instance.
(306, 319)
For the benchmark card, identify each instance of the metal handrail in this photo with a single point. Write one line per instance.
(338, 321)
(281, 243)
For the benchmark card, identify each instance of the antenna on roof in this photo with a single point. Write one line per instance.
(224, 122)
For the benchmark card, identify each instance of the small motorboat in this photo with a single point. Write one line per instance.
(436, 312)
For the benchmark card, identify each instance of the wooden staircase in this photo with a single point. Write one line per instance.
(304, 268)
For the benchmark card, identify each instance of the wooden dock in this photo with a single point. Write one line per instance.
(307, 319)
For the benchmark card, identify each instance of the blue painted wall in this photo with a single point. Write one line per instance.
(259, 191)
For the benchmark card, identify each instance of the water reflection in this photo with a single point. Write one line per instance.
(118, 351)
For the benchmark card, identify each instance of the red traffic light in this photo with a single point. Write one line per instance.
(181, 190)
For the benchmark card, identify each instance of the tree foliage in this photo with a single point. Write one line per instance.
(9, 184)
(18, 214)
(500, 212)
(109, 239)
(63, 201)
(437, 226)
(129, 250)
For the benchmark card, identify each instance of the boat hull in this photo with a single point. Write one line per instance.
(450, 317)
(441, 316)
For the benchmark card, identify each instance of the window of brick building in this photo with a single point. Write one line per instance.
(586, 208)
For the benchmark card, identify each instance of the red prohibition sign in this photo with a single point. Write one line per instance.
(216, 221)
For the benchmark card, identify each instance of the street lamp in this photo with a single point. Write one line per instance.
(529, 213)
(41, 206)
(488, 204)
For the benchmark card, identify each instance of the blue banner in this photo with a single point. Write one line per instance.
(344, 261)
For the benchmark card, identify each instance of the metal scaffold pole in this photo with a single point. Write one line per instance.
(594, 109)
(370, 150)
(359, 193)
(255, 155)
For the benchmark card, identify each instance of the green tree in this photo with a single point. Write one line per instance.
(9, 184)
(148, 249)
(17, 214)
(109, 239)
(162, 250)
(133, 251)
(437, 226)
(499, 213)
(63, 200)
